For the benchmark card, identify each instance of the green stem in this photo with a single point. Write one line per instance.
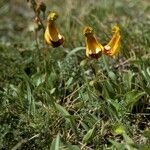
(105, 63)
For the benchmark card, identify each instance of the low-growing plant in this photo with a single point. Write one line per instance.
(62, 90)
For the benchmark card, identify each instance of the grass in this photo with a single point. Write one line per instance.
(62, 104)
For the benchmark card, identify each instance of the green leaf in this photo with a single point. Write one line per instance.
(83, 62)
(68, 83)
(63, 112)
(132, 97)
(88, 136)
(127, 79)
(55, 143)
(105, 92)
(69, 118)
(72, 147)
(146, 74)
(118, 129)
(31, 100)
(84, 126)
(127, 139)
(112, 75)
(109, 87)
(38, 79)
(75, 51)
(140, 147)
(147, 133)
(52, 91)
(119, 146)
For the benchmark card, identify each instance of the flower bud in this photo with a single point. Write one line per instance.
(40, 7)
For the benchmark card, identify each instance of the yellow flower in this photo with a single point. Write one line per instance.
(93, 47)
(52, 35)
(113, 47)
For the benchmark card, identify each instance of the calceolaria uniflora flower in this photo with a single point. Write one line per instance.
(52, 35)
(93, 47)
(113, 47)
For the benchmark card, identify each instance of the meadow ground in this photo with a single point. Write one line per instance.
(68, 101)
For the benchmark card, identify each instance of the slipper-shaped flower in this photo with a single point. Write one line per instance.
(93, 47)
(52, 35)
(113, 47)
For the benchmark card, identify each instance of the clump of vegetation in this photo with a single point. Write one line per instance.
(55, 97)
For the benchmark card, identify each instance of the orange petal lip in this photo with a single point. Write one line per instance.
(107, 50)
(57, 43)
(95, 56)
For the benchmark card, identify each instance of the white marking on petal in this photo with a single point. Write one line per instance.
(90, 52)
(97, 50)
(59, 36)
(107, 47)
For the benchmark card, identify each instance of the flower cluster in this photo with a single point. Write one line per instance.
(94, 49)
(52, 36)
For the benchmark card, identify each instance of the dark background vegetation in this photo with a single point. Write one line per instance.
(62, 104)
